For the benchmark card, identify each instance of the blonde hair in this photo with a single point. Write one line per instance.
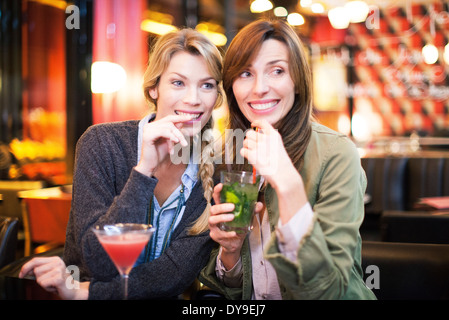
(195, 43)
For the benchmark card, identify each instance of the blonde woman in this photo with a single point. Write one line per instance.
(126, 172)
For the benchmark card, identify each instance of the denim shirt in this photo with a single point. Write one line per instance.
(164, 214)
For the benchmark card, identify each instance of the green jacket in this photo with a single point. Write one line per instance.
(329, 256)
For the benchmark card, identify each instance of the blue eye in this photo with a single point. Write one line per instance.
(177, 83)
(208, 85)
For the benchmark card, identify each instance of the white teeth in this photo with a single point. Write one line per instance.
(193, 115)
(263, 106)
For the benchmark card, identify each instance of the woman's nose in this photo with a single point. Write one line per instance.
(261, 85)
(191, 97)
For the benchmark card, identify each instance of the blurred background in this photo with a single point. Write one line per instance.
(380, 76)
(379, 69)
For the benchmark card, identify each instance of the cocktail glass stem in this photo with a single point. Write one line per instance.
(125, 285)
(123, 242)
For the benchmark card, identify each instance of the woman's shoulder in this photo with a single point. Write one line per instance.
(114, 126)
(326, 135)
(110, 137)
(320, 129)
(327, 142)
(112, 130)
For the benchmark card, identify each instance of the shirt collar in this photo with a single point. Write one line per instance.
(146, 119)
(190, 176)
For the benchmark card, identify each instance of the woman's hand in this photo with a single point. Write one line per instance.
(230, 241)
(51, 274)
(158, 140)
(265, 150)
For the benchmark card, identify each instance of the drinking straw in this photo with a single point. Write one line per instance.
(254, 169)
(228, 158)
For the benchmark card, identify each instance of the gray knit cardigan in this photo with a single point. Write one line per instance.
(106, 190)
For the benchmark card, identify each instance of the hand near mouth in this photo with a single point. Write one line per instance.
(265, 150)
(158, 141)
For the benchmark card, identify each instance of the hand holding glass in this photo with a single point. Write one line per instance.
(124, 243)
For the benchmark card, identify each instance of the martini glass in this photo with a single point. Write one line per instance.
(123, 243)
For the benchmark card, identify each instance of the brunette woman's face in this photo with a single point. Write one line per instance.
(265, 89)
(186, 87)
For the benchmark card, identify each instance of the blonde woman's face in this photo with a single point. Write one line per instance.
(186, 87)
(265, 90)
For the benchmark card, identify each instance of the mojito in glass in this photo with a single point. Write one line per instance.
(240, 188)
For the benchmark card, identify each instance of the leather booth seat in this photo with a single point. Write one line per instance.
(415, 226)
(397, 184)
(408, 271)
(8, 240)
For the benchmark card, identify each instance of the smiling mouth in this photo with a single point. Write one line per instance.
(194, 115)
(263, 106)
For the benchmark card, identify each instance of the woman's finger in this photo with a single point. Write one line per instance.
(263, 126)
(181, 138)
(221, 208)
(170, 133)
(259, 207)
(245, 153)
(251, 135)
(249, 144)
(217, 219)
(216, 194)
(176, 119)
(28, 268)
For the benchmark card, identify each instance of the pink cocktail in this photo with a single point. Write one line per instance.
(124, 243)
(124, 249)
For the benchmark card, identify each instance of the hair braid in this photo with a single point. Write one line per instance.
(205, 173)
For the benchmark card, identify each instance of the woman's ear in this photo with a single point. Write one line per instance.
(153, 93)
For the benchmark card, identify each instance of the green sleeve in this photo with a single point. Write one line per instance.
(325, 257)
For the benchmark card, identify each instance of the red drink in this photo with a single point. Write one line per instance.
(124, 242)
(124, 249)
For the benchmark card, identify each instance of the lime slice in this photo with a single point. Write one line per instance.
(231, 197)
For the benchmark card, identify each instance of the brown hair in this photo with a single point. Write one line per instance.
(193, 42)
(295, 127)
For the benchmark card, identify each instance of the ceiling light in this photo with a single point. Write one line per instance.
(317, 8)
(430, 53)
(357, 10)
(155, 27)
(305, 3)
(280, 12)
(217, 38)
(107, 77)
(295, 19)
(258, 6)
(446, 54)
(338, 18)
